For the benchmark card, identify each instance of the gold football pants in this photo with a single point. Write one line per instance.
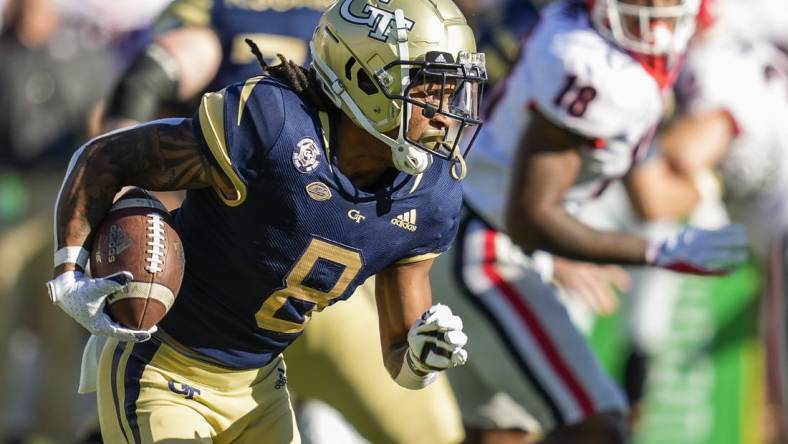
(151, 393)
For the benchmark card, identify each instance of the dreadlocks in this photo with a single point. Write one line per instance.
(303, 81)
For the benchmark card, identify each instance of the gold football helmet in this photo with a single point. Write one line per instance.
(370, 55)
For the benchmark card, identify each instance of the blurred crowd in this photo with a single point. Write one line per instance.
(679, 346)
(58, 59)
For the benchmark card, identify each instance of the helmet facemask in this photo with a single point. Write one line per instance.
(648, 30)
(437, 85)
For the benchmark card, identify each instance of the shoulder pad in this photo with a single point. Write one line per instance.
(239, 125)
(582, 82)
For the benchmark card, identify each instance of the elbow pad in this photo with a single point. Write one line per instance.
(149, 81)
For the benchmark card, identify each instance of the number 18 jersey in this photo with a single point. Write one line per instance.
(580, 81)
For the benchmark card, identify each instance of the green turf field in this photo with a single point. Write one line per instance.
(706, 386)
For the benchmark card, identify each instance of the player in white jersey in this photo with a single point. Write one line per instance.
(753, 19)
(734, 116)
(734, 103)
(577, 111)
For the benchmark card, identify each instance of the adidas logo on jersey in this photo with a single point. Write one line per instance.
(406, 220)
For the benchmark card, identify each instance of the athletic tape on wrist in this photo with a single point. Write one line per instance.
(709, 185)
(72, 255)
(408, 378)
(543, 264)
(652, 251)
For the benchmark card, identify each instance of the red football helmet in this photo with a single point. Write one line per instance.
(650, 30)
(657, 36)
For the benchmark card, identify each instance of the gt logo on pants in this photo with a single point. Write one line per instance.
(186, 390)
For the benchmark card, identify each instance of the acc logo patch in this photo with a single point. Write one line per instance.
(306, 155)
(318, 191)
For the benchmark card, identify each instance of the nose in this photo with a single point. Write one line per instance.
(441, 121)
(429, 111)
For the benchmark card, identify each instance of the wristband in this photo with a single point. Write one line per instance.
(543, 264)
(653, 249)
(708, 184)
(72, 255)
(409, 379)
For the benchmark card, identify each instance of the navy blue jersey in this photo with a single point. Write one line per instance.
(276, 27)
(292, 234)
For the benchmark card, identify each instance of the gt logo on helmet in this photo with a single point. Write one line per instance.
(378, 20)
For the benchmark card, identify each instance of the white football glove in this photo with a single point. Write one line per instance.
(698, 251)
(435, 343)
(84, 298)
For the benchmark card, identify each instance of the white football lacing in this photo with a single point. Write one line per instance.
(155, 254)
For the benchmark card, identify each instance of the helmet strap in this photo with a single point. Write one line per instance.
(458, 167)
(406, 157)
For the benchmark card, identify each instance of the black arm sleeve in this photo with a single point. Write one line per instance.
(149, 81)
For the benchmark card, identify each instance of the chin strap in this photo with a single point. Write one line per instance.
(406, 157)
(458, 162)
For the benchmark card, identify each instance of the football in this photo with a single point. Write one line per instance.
(137, 236)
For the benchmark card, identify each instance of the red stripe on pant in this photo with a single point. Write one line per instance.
(532, 322)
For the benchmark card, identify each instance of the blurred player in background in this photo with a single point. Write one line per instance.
(411, 97)
(752, 20)
(200, 45)
(592, 80)
(733, 97)
(57, 60)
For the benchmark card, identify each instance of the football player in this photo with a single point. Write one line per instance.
(302, 184)
(732, 119)
(733, 96)
(577, 111)
(764, 20)
(199, 45)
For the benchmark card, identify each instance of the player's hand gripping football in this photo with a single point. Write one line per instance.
(698, 251)
(436, 341)
(84, 299)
